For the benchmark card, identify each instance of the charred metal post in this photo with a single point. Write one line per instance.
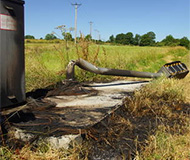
(170, 70)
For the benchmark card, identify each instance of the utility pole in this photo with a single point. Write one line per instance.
(76, 5)
(91, 28)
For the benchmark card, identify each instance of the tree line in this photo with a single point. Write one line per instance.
(66, 36)
(148, 39)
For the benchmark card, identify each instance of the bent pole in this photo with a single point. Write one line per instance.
(174, 69)
(70, 75)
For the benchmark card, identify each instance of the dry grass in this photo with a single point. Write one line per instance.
(168, 102)
(154, 124)
(44, 152)
(159, 98)
(164, 145)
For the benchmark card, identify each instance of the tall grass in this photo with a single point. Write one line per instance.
(46, 62)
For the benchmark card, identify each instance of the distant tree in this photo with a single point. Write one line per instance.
(184, 42)
(137, 39)
(129, 38)
(112, 39)
(29, 37)
(145, 40)
(67, 36)
(50, 37)
(88, 37)
(148, 39)
(120, 38)
(170, 41)
(100, 42)
(152, 36)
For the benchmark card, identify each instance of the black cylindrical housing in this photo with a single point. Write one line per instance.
(12, 74)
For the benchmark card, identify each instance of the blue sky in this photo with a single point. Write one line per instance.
(163, 17)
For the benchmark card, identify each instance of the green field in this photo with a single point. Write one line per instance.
(46, 62)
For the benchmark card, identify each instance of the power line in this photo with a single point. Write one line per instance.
(76, 5)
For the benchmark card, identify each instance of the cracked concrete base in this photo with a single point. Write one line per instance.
(63, 141)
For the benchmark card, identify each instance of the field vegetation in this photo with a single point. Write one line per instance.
(153, 123)
(46, 61)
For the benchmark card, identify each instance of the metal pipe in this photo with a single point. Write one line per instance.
(106, 71)
(114, 72)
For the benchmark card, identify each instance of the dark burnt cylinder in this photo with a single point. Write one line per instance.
(12, 74)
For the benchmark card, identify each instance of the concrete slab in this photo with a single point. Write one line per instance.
(74, 114)
(82, 111)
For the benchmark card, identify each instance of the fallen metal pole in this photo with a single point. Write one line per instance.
(170, 70)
